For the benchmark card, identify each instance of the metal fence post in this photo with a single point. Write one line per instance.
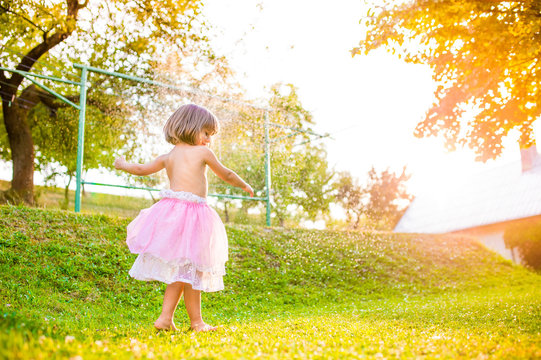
(267, 168)
(81, 138)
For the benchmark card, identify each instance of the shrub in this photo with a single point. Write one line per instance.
(526, 237)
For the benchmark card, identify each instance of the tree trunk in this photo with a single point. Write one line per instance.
(22, 149)
(226, 213)
(66, 202)
(357, 221)
(15, 109)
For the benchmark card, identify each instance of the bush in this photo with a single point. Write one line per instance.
(526, 237)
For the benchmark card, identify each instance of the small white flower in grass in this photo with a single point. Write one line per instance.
(98, 343)
(76, 357)
(69, 339)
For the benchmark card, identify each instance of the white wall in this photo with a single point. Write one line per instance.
(494, 241)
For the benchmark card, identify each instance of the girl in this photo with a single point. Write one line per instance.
(180, 240)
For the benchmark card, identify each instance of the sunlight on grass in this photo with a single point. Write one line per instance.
(423, 328)
(289, 294)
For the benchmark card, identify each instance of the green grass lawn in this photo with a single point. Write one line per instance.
(296, 294)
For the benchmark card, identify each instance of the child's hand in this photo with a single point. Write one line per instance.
(249, 190)
(119, 163)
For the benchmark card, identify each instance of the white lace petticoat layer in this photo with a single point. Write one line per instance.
(148, 267)
(182, 195)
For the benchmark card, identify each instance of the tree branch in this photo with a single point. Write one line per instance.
(534, 59)
(22, 17)
(48, 43)
(83, 5)
(48, 101)
(33, 55)
(30, 97)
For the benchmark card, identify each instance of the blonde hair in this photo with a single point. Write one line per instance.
(187, 122)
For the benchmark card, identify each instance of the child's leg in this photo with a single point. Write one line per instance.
(192, 300)
(172, 295)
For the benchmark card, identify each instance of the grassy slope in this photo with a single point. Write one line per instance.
(92, 202)
(289, 293)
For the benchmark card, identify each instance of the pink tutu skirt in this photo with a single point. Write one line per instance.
(180, 238)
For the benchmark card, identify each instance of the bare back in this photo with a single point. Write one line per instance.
(186, 169)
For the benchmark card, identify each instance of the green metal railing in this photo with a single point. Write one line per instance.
(81, 139)
(80, 145)
(225, 196)
(83, 84)
(267, 168)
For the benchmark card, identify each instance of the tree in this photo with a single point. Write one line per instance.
(388, 196)
(350, 195)
(382, 200)
(299, 170)
(301, 183)
(526, 237)
(120, 35)
(300, 174)
(54, 132)
(485, 59)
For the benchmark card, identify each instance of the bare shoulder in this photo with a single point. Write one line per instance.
(162, 158)
(204, 151)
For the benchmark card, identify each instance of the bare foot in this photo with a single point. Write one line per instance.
(165, 325)
(202, 327)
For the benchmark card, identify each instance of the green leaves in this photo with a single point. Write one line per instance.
(299, 171)
(47, 37)
(484, 58)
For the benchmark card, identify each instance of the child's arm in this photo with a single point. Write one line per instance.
(224, 173)
(141, 169)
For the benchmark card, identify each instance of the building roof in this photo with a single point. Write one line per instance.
(496, 195)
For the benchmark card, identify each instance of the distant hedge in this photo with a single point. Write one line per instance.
(526, 238)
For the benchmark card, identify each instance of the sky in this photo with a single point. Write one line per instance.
(370, 104)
